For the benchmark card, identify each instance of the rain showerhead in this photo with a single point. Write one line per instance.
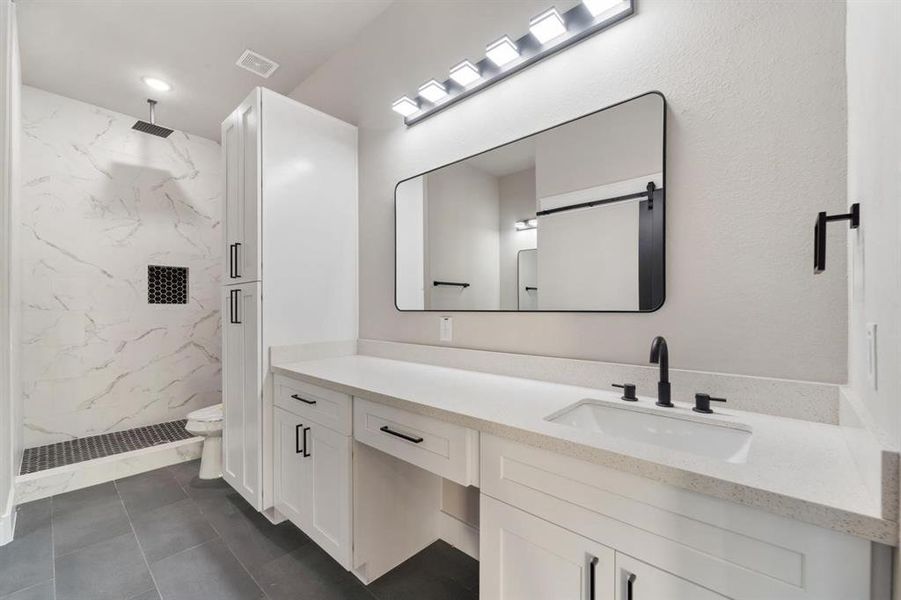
(152, 128)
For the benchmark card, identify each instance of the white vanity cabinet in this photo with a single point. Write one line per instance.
(312, 464)
(677, 544)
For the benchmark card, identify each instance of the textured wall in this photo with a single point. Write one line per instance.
(756, 147)
(874, 180)
(100, 203)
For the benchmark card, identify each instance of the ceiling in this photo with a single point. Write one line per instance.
(98, 50)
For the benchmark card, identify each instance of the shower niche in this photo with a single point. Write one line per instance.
(167, 285)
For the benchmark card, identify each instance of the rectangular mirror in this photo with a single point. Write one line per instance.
(568, 219)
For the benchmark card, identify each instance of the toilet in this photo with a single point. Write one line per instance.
(207, 423)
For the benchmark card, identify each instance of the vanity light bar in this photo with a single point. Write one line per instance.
(549, 32)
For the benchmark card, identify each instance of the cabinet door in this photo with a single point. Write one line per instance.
(241, 391)
(241, 157)
(327, 481)
(636, 580)
(522, 556)
(288, 430)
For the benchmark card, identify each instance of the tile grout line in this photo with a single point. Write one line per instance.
(52, 548)
(218, 536)
(138, 542)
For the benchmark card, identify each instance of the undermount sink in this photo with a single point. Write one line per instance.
(725, 441)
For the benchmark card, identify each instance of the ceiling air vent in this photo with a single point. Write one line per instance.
(257, 64)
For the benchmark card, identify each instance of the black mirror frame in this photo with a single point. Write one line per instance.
(659, 201)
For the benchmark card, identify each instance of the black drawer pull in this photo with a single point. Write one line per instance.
(304, 400)
(592, 576)
(297, 448)
(306, 453)
(630, 582)
(238, 273)
(403, 436)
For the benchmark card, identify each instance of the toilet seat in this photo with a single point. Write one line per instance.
(210, 414)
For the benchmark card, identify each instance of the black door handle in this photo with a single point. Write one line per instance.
(231, 261)
(592, 569)
(233, 301)
(297, 449)
(304, 400)
(403, 436)
(306, 452)
(237, 260)
(630, 583)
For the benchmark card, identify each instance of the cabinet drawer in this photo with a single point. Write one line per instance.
(327, 407)
(445, 449)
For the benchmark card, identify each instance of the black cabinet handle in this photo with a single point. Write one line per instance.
(297, 449)
(234, 297)
(232, 260)
(237, 260)
(304, 400)
(306, 453)
(630, 583)
(403, 436)
(592, 574)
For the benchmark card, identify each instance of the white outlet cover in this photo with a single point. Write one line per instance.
(872, 355)
(446, 329)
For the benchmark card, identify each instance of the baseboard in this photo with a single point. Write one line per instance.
(8, 518)
(50, 482)
(458, 534)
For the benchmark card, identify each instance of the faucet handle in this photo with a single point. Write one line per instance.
(702, 403)
(628, 391)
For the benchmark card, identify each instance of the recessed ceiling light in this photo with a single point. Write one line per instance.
(432, 91)
(596, 7)
(156, 84)
(547, 26)
(502, 52)
(405, 106)
(465, 73)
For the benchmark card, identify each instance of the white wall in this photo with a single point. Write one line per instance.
(462, 238)
(756, 147)
(517, 202)
(874, 180)
(10, 391)
(100, 202)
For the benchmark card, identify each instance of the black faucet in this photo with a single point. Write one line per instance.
(660, 355)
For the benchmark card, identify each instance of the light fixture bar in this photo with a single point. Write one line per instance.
(579, 23)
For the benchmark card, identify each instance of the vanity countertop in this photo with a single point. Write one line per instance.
(798, 469)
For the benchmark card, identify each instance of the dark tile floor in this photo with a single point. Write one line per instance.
(167, 535)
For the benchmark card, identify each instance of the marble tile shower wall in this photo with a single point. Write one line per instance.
(100, 203)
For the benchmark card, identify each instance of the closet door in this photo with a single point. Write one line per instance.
(523, 556)
(242, 390)
(326, 484)
(241, 158)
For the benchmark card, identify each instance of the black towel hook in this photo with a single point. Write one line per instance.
(819, 234)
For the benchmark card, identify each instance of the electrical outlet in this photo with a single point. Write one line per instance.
(871, 355)
(446, 329)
